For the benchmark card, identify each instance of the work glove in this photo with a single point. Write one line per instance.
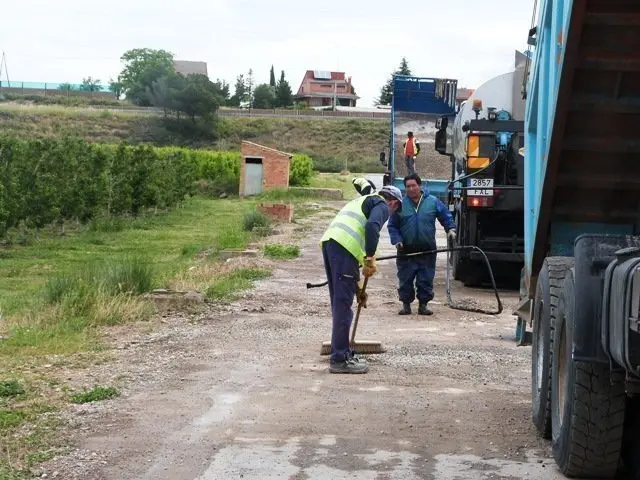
(451, 235)
(369, 266)
(361, 296)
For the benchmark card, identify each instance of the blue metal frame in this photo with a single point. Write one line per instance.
(413, 94)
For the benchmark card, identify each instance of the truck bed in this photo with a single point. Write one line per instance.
(582, 146)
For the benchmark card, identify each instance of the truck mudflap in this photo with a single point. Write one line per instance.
(593, 255)
(621, 309)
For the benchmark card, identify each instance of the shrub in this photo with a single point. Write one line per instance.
(255, 219)
(300, 170)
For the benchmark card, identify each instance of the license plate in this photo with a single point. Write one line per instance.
(481, 187)
(481, 182)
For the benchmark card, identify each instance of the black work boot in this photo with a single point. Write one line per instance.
(406, 309)
(348, 366)
(423, 310)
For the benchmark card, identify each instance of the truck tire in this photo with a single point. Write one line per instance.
(587, 403)
(543, 315)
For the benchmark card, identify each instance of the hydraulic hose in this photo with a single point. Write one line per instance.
(449, 301)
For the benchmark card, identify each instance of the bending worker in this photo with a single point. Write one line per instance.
(349, 243)
(411, 150)
(412, 229)
(363, 186)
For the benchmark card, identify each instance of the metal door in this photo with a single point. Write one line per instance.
(253, 176)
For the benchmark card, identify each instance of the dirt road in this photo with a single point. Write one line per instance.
(242, 392)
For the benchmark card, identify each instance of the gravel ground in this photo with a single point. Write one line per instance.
(241, 391)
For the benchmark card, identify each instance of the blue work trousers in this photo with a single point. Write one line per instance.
(343, 273)
(415, 278)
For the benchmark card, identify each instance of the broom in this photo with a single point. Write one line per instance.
(363, 347)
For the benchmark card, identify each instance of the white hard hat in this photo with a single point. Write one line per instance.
(393, 191)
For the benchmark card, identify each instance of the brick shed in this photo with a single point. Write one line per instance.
(263, 168)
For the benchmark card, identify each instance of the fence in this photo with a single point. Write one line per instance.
(57, 89)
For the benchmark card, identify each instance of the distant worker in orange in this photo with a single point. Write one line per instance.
(411, 151)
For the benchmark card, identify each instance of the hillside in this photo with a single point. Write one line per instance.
(334, 145)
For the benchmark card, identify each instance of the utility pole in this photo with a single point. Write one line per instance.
(3, 62)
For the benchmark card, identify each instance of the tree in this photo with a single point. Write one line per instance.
(386, 92)
(249, 84)
(272, 77)
(143, 66)
(284, 96)
(164, 92)
(198, 97)
(90, 84)
(115, 86)
(241, 94)
(222, 90)
(264, 96)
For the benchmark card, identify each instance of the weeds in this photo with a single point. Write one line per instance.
(281, 251)
(10, 388)
(255, 219)
(226, 286)
(95, 394)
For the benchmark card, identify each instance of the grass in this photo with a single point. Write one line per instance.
(59, 292)
(227, 286)
(335, 145)
(11, 388)
(282, 252)
(96, 394)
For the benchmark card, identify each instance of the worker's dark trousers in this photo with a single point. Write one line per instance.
(420, 270)
(343, 273)
(411, 164)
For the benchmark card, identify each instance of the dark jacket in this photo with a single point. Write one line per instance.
(415, 226)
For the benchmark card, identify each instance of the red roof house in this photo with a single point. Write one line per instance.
(326, 89)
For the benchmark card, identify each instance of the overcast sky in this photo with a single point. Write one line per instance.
(470, 40)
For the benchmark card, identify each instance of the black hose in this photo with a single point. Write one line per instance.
(444, 250)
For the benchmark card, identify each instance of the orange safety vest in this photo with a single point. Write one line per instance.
(410, 147)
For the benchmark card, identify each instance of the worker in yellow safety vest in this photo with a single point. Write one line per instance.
(350, 242)
(411, 151)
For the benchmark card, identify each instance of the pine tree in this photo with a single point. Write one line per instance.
(284, 95)
(386, 92)
(272, 77)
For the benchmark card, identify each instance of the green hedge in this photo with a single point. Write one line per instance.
(47, 181)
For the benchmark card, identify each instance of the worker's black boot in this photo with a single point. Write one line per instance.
(406, 309)
(423, 310)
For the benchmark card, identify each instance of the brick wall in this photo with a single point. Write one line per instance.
(275, 166)
(279, 212)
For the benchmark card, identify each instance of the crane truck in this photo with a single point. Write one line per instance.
(487, 177)
(581, 286)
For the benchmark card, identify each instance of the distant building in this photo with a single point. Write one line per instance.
(462, 95)
(322, 89)
(186, 67)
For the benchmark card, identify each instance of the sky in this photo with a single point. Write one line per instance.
(468, 40)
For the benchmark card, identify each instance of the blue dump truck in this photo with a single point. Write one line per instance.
(580, 292)
(416, 105)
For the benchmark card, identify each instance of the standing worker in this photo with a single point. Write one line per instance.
(412, 229)
(363, 186)
(349, 243)
(411, 150)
